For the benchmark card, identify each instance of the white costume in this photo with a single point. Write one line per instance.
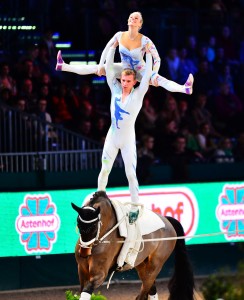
(132, 59)
(121, 134)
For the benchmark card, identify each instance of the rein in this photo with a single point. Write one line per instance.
(111, 230)
(96, 240)
(179, 237)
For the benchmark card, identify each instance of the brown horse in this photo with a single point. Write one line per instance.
(96, 259)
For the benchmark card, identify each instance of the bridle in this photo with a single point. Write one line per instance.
(96, 240)
(89, 243)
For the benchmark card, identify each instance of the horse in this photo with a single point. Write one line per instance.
(95, 259)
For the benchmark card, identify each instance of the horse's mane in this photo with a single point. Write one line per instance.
(97, 195)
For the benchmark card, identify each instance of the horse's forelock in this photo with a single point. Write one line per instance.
(98, 196)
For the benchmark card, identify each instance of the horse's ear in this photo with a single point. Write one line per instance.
(75, 207)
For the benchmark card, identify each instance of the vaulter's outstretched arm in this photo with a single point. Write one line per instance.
(110, 72)
(104, 54)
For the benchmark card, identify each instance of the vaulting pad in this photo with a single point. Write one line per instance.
(148, 221)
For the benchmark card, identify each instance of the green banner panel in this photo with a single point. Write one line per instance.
(37, 223)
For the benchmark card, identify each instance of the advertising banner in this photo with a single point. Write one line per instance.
(38, 223)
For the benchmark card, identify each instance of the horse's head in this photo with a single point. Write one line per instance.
(94, 219)
(88, 222)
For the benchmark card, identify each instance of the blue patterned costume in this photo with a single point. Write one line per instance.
(121, 134)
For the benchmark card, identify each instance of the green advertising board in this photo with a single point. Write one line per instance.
(38, 223)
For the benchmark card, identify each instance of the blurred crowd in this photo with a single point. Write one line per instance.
(172, 128)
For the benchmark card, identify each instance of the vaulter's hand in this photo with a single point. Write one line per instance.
(101, 71)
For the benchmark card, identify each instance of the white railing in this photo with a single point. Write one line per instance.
(21, 132)
(28, 144)
(59, 161)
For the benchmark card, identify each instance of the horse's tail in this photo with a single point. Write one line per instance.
(181, 285)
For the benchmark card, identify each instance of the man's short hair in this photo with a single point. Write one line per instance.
(129, 72)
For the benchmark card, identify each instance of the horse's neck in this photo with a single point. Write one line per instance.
(108, 218)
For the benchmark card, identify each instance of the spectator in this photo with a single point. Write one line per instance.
(211, 48)
(30, 54)
(202, 52)
(46, 132)
(64, 106)
(169, 112)
(225, 76)
(43, 60)
(145, 158)
(205, 79)
(225, 40)
(179, 159)
(86, 93)
(86, 111)
(21, 136)
(27, 92)
(186, 66)
(107, 23)
(217, 12)
(218, 5)
(164, 136)
(41, 111)
(238, 149)
(27, 71)
(145, 123)
(46, 88)
(224, 151)
(46, 79)
(48, 44)
(220, 60)
(6, 97)
(45, 93)
(100, 129)
(191, 141)
(191, 46)
(21, 105)
(6, 80)
(173, 62)
(84, 128)
(200, 114)
(206, 141)
(184, 113)
(229, 110)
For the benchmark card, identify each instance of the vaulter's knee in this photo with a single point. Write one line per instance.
(105, 171)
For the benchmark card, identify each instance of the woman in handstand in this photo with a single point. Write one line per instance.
(132, 49)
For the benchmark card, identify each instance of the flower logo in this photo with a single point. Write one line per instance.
(230, 211)
(37, 223)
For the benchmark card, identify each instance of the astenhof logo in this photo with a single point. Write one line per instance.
(230, 212)
(37, 223)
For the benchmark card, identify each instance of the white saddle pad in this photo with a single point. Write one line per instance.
(148, 220)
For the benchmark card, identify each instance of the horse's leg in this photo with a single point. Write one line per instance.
(98, 271)
(153, 295)
(149, 269)
(148, 288)
(83, 278)
(83, 273)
